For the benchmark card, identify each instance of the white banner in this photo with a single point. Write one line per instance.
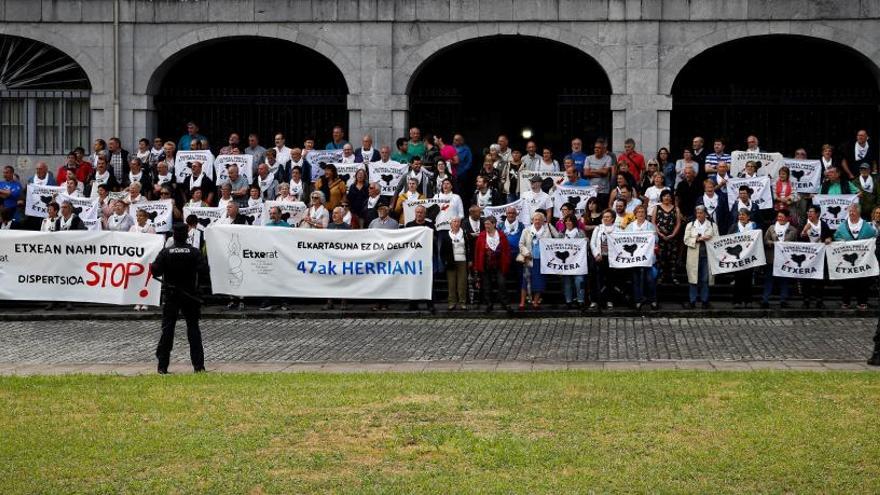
(253, 215)
(761, 191)
(500, 212)
(207, 215)
(160, 212)
(576, 195)
(799, 260)
(85, 208)
(291, 212)
(735, 252)
(317, 157)
(38, 199)
(631, 249)
(183, 161)
(432, 207)
(768, 163)
(79, 266)
(346, 172)
(356, 264)
(564, 256)
(806, 175)
(550, 180)
(387, 175)
(852, 259)
(833, 207)
(243, 162)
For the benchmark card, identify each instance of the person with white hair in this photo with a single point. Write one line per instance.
(696, 233)
(533, 283)
(316, 217)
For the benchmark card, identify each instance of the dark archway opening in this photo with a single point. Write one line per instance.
(790, 91)
(503, 84)
(247, 85)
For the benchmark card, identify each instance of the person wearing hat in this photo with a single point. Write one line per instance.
(744, 201)
(535, 198)
(178, 268)
(332, 186)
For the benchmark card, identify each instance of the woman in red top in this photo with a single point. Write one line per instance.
(491, 261)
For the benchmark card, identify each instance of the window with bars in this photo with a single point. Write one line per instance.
(43, 122)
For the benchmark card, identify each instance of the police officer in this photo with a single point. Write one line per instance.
(180, 266)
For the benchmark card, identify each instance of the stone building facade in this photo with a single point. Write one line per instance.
(379, 46)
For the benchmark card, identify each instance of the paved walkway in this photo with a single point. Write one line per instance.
(415, 344)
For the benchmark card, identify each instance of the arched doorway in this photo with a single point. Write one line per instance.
(504, 84)
(44, 99)
(250, 84)
(790, 91)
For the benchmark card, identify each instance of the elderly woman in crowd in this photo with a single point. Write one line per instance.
(695, 236)
(119, 220)
(317, 216)
(644, 281)
(143, 224)
(573, 286)
(781, 230)
(491, 262)
(603, 278)
(855, 229)
(530, 256)
(743, 279)
(457, 257)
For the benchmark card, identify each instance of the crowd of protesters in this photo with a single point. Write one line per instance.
(486, 261)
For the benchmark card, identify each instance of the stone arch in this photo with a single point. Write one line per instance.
(155, 69)
(410, 65)
(672, 65)
(64, 45)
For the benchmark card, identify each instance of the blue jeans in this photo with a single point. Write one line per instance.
(644, 285)
(769, 282)
(702, 285)
(573, 288)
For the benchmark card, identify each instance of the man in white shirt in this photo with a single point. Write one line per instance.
(282, 152)
(535, 198)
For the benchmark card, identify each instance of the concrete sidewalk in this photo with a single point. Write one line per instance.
(133, 369)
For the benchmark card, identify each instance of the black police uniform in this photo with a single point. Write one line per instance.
(180, 266)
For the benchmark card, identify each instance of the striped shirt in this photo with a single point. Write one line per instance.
(713, 159)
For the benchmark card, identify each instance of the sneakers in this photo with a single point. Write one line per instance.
(594, 305)
(609, 305)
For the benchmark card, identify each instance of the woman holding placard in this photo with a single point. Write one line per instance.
(815, 230)
(530, 255)
(743, 279)
(695, 236)
(855, 229)
(602, 278)
(572, 285)
(644, 281)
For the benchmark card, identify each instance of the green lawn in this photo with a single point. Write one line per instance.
(552, 432)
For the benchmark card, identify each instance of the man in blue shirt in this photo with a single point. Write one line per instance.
(275, 218)
(192, 134)
(338, 139)
(10, 189)
(577, 155)
(717, 156)
(572, 176)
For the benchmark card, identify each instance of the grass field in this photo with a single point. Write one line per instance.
(549, 432)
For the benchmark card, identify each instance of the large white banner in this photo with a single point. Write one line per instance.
(852, 259)
(735, 252)
(387, 175)
(160, 212)
(292, 212)
(799, 259)
(550, 180)
(317, 157)
(243, 162)
(85, 208)
(576, 195)
(631, 249)
(767, 163)
(564, 256)
(806, 175)
(355, 264)
(761, 191)
(832, 207)
(500, 212)
(79, 265)
(183, 161)
(207, 215)
(38, 198)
